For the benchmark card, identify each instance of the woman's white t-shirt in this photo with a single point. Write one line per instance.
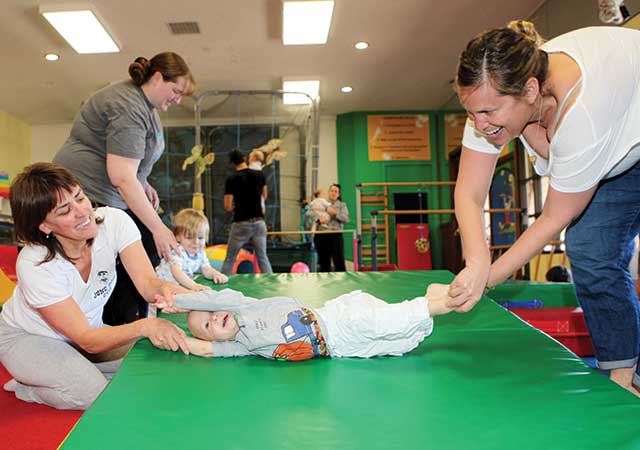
(41, 285)
(599, 135)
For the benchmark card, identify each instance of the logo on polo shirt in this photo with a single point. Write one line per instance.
(107, 281)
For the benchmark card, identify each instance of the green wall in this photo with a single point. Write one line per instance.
(354, 167)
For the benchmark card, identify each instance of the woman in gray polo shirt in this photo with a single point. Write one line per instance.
(114, 142)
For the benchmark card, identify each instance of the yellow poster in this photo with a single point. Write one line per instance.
(453, 131)
(399, 137)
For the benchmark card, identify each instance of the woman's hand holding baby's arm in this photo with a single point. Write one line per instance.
(165, 335)
(438, 297)
(199, 347)
(164, 300)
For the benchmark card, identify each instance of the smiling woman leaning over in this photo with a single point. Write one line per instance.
(574, 102)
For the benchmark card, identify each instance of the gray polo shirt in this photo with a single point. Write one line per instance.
(120, 120)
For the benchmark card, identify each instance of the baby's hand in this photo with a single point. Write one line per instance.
(219, 278)
(200, 287)
(170, 309)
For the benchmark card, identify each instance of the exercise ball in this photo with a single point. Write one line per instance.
(300, 267)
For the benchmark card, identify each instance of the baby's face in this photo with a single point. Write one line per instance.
(213, 326)
(193, 243)
(256, 156)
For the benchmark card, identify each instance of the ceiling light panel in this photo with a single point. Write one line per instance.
(82, 29)
(306, 22)
(309, 87)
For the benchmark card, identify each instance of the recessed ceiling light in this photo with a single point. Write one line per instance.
(291, 88)
(306, 22)
(51, 57)
(346, 89)
(361, 45)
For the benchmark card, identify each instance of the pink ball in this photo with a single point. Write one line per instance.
(300, 267)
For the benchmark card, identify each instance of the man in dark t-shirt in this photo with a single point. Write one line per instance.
(243, 194)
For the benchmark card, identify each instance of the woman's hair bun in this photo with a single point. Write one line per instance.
(527, 29)
(139, 70)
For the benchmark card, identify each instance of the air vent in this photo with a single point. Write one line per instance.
(184, 27)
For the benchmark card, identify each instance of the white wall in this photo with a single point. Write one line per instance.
(47, 139)
(290, 190)
(328, 159)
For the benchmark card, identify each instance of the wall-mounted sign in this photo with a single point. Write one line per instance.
(399, 137)
(453, 130)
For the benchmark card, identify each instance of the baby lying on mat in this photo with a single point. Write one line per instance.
(226, 323)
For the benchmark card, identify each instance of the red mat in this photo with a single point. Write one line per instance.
(30, 426)
(8, 257)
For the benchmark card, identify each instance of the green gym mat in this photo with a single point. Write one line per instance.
(483, 380)
(551, 294)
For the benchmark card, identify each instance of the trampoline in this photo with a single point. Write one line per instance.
(483, 380)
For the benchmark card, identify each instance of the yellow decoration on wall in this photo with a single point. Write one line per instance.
(201, 163)
(272, 151)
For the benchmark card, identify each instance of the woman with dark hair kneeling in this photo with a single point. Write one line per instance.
(52, 338)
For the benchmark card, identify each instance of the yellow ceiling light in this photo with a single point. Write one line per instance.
(51, 57)
(361, 45)
(306, 22)
(80, 26)
(291, 89)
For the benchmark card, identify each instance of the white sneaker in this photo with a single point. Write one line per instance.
(11, 385)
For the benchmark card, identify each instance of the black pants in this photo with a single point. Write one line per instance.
(330, 247)
(126, 304)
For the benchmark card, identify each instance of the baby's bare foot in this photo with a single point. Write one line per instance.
(438, 296)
